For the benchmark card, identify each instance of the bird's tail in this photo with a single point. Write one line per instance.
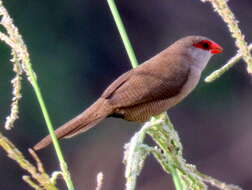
(81, 123)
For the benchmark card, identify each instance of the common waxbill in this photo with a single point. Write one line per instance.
(148, 90)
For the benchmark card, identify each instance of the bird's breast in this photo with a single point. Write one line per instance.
(193, 79)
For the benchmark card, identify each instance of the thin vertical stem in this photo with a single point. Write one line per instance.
(123, 33)
(134, 63)
(49, 125)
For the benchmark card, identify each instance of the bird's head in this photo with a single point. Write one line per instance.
(197, 49)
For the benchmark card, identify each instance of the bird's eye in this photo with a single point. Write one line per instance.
(205, 45)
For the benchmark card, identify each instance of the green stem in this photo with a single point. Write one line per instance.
(176, 180)
(56, 145)
(134, 63)
(123, 33)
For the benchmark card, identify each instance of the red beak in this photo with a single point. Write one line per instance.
(216, 48)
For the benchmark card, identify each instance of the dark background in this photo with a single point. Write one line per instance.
(76, 52)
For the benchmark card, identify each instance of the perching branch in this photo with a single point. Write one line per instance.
(168, 153)
(134, 156)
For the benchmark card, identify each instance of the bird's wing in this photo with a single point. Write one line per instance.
(138, 86)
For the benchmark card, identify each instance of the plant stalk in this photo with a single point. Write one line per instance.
(55, 142)
(123, 33)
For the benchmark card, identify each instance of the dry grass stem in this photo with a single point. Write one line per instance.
(37, 160)
(219, 184)
(135, 154)
(169, 154)
(7, 40)
(216, 74)
(38, 174)
(19, 57)
(28, 180)
(16, 92)
(15, 40)
(21, 61)
(222, 8)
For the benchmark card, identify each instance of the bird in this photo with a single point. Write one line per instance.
(147, 90)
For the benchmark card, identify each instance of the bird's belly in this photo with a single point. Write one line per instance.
(143, 112)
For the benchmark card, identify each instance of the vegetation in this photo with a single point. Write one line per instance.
(168, 150)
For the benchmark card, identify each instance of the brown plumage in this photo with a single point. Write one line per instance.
(148, 90)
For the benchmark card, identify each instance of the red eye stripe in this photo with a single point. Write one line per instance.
(204, 44)
(209, 45)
